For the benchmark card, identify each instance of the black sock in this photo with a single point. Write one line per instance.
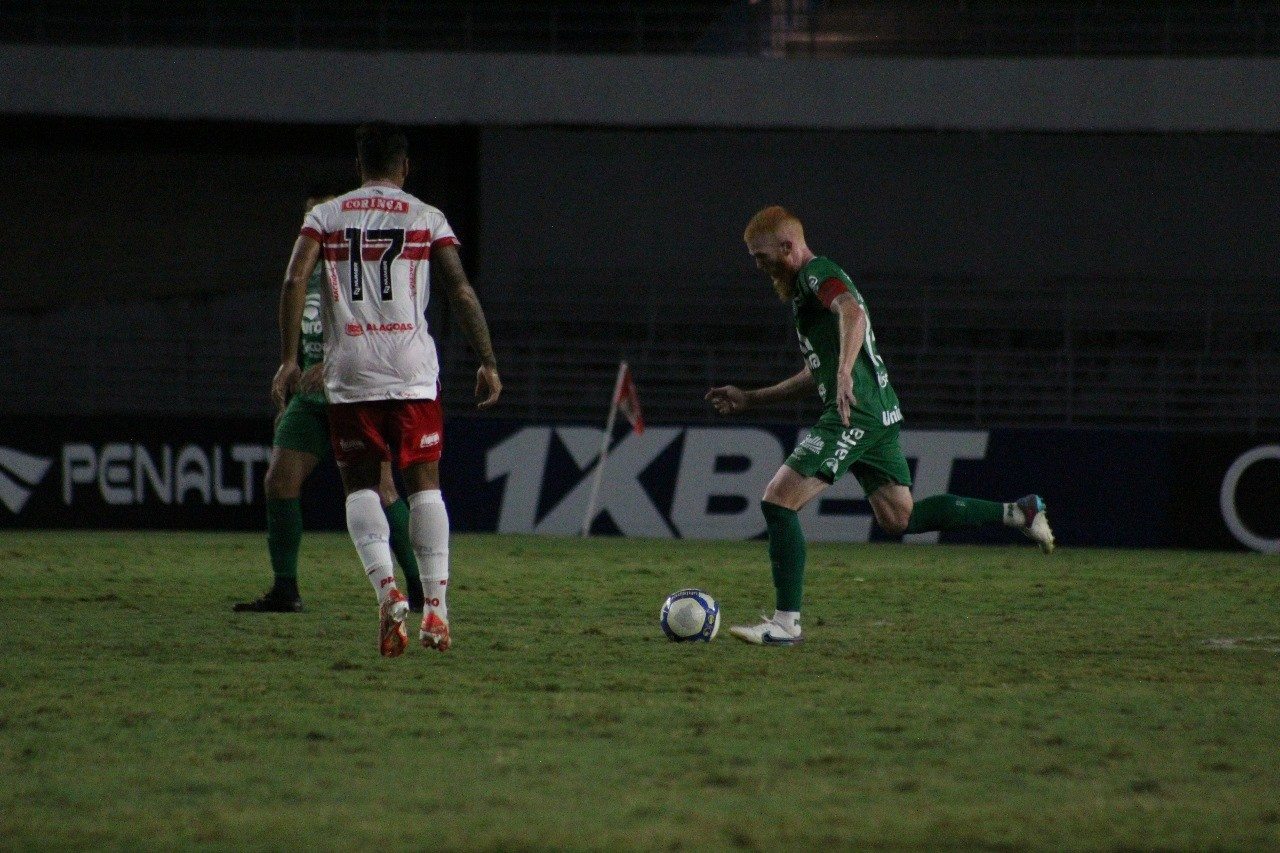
(285, 587)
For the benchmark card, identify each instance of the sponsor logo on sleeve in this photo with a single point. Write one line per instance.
(813, 443)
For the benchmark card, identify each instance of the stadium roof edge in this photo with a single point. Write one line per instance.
(1019, 94)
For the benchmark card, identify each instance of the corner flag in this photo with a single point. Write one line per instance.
(627, 399)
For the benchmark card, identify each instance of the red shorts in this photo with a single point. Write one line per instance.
(404, 431)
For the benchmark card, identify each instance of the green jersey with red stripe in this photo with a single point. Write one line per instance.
(818, 283)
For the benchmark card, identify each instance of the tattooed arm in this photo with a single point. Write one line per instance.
(466, 305)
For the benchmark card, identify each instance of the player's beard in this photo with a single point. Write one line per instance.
(784, 287)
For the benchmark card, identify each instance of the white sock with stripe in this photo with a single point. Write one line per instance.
(371, 533)
(429, 532)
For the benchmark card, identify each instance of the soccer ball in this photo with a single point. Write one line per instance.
(690, 615)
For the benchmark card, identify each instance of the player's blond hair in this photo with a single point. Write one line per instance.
(774, 219)
(778, 222)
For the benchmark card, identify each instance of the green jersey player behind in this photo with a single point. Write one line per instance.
(300, 442)
(311, 343)
(857, 432)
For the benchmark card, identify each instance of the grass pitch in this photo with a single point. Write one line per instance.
(945, 697)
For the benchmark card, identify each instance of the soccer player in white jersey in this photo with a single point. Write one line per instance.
(380, 366)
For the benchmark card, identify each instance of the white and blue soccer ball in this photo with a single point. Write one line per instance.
(690, 615)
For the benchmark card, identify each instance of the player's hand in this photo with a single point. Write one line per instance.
(844, 397)
(727, 399)
(285, 383)
(312, 381)
(488, 386)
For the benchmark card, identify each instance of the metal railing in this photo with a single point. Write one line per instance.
(1170, 354)
(1148, 353)
(939, 388)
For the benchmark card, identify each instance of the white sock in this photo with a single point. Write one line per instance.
(1014, 516)
(789, 619)
(367, 524)
(429, 532)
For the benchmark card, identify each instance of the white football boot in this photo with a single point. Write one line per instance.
(1035, 522)
(768, 633)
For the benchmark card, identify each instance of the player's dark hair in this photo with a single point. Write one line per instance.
(380, 147)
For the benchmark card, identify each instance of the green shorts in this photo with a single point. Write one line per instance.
(831, 449)
(304, 426)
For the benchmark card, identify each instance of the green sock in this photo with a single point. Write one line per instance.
(284, 536)
(786, 554)
(401, 544)
(949, 512)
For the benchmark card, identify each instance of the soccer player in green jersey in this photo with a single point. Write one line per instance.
(301, 441)
(857, 431)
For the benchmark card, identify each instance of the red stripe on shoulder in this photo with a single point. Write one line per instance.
(830, 289)
(308, 231)
(445, 241)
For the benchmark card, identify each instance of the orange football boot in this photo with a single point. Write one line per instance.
(393, 639)
(435, 633)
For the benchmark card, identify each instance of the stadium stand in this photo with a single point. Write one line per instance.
(574, 26)
(964, 350)
(1050, 27)
(774, 27)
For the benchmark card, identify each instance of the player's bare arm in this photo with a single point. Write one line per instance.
(853, 328)
(312, 379)
(463, 300)
(293, 296)
(732, 400)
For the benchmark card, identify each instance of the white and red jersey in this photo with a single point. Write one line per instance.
(376, 244)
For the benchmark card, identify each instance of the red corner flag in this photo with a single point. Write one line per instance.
(627, 399)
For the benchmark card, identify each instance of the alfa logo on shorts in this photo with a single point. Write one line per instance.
(355, 330)
(350, 443)
(431, 439)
